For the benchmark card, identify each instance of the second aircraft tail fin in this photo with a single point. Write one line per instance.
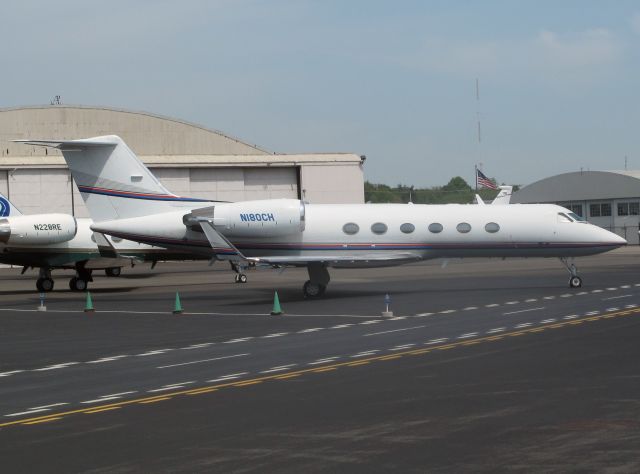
(7, 208)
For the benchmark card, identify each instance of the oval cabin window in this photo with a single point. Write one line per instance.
(435, 228)
(350, 228)
(379, 228)
(463, 227)
(492, 227)
(407, 228)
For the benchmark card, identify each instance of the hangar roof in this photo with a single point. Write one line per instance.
(145, 133)
(581, 186)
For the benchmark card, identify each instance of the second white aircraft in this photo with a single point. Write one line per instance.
(125, 200)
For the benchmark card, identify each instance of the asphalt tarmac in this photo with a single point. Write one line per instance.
(486, 366)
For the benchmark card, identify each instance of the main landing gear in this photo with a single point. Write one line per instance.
(574, 280)
(113, 271)
(240, 276)
(318, 280)
(44, 283)
(80, 282)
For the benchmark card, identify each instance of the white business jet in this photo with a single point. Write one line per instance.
(125, 200)
(60, 241)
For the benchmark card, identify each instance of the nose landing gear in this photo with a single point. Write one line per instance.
(574, 280)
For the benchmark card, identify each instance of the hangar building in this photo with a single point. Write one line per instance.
(189, 159)
(609, 199)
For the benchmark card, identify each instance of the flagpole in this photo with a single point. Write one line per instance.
(475, 176)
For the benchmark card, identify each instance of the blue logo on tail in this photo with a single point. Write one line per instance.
(5, 207)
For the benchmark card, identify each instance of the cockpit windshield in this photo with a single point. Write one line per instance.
(576, 217)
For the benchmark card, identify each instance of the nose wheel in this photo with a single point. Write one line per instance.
(240, 278)
(574, 280)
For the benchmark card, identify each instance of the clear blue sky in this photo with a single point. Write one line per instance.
(395, 80)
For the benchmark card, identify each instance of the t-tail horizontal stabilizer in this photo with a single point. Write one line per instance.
(224, 250)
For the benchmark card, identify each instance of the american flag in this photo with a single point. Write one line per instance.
(483, 181)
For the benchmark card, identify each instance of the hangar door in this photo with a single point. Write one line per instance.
(231, 184)
(40, 190)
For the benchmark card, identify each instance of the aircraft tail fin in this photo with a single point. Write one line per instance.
(113, 181)
(7, 208)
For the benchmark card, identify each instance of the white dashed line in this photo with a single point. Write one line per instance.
(550, 320)
(531, 300)
(616, 297)
(566, 295)
(495, 330)
(106, 359)
(310, 330)
(397, 318)
(240, 339)
(172, 386)
(277, 334)
(341, 326)
(469, 334)
(150, 353)
(404, 346)
(612, 289)
(56, 366)
(524, 311)
(581, 293)
(198, 346)
(597, 291)
(448, 311)
(11, 372)
(131, 392)
(470, 308)
(421, 315)
(625, 286)
(549, 298)
(492, 305)
(27, 412)
(437, 341)
(99, 400)
(612, 309)
(228, 377)
(278, 369)
(202, 361)
(371, 321)
(392, 330)
(46, 407)
(591, 313)
(512, 302)
(365, 353)
(523, 325)
(629, 306)
(571, 316)
(323, 361)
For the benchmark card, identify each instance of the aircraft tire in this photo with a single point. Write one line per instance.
(242, 278)
(575, 282)
(77, 284)
(44, 284)
(113, 271)
(313, 290)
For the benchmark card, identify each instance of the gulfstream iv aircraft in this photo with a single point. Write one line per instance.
(125, 200)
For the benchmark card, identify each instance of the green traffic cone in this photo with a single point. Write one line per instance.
(277, 310)
(178, 306)
(88, 308)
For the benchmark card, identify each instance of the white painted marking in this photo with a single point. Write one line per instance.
(340, 326)
(56, 366)
(492, 305)
(27, 412)
(324, 361)
(164, 389)
(107, 359)
(311, 330)
(393, 330)
(470, 308)
(228, 377)
(240, 339)
(612, 309)
(11, 372)
(437, 341)
(597, 291)
(524, 311)
(512, 302)
(566, 295)
(203, 360)
(467, 335)
(99, 400)
(371, 321)
(119, 394)
(523, 325)
(616, 297)
(46, 407)
(404, 346)
(198, 346)
(278, 369)
(591, 313)
(364, 353)
(625, 286)
(531, 300)
(549, 298)
(495, 330)
(447, 311)
(420, 315)
(550, 320)
(276, 334)
(582, 293)
(613, 288)
(150, 353)
(397, 318)
(629, 306)
(636, 284)
(571, 316)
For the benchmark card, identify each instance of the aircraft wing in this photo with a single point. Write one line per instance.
(342, 259)
(224, 250)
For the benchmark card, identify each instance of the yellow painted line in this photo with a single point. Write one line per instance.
(471, 343)
(287, 376)
(248, 382)
(155, 400)
(391, 357)
(360, 362)
(102, 409)
(327, 368)
(204, 390)
(537, 330)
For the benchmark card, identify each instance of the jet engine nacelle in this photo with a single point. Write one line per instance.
(37, 229)
(265, 218)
